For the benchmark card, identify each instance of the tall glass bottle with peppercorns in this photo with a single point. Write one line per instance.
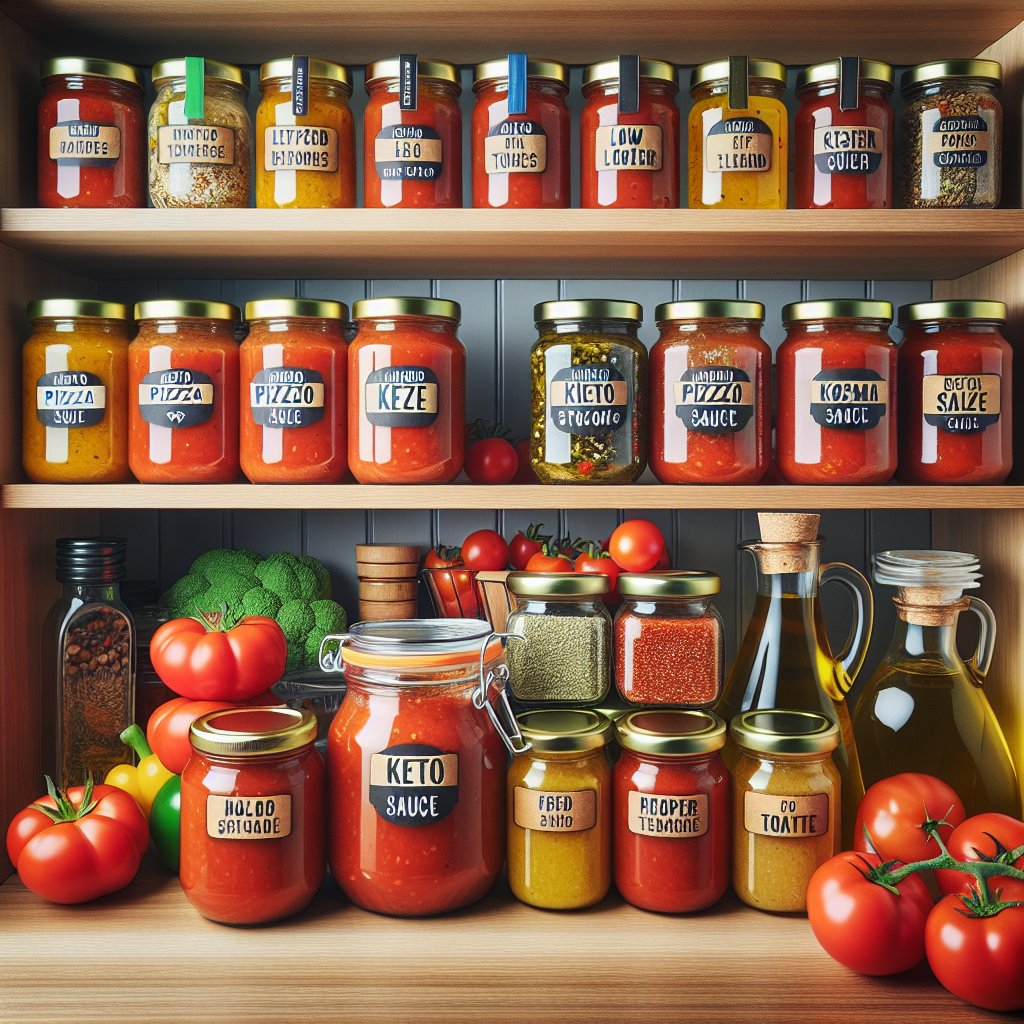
(88, 662)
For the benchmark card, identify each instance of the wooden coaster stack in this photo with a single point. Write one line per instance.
(387, 581)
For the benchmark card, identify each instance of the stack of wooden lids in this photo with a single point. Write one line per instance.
(387, 581)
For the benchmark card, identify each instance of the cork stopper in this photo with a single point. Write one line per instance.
(786, 539)
(929, 606)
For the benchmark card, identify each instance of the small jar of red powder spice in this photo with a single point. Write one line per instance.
(673, 822)
(668, 638)
(252, 815)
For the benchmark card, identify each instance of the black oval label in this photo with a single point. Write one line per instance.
(714, 399)
(849, 399)
(414, 784)
(588, 399)
(401, 396)
(70, 399)
(176, 398)
(287, 396)
(408, 151)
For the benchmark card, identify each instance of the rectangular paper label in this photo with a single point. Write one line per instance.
(555, 812)
(628, 147)
(249, 817)
(414, 771)
(85, 144)
(849, 392)
(294, 148)
(409, 399)
(847, 149)
(673, 817)
(519, 147)
(961, 404)
(738, 144)
(957, 142)
(786, 817)
(410, 150)
(589, 393)
(195, 144)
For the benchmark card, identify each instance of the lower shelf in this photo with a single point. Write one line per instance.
(146, 955)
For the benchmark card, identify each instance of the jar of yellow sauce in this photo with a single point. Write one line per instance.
(559, 811)
(75, 392)
(785, 805)
(305, 136)
(738, 135)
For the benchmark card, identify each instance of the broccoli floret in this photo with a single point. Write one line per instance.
(296, 660)
(225, 560)
(296, 619)
(328, 617)
(323, 577)
(260, 601)
(277, 573)
(184, 592)
(308, 583)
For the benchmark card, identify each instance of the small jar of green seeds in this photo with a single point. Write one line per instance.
(588, 373)
(566, 657)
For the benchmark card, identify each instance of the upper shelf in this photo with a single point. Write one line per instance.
(686, 31)
(828, 244)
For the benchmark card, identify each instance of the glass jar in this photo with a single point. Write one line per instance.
(199, 138)
(952, 141)
(406, 392)
(305, 136)
(560, 811)
(91, 142)
(786, 798)
(521, 158)
(956, 393)
(836, 372)
(294, 370)
(669, 638)
(844, 136)
(75, 392)
(183, 387)
(629, 159)
(673, 819)
(739, 145)
(588, 371)
(412, 157)
(252, 815)
(417, 757)
(710, 393)
(89, 667)
(566, 656)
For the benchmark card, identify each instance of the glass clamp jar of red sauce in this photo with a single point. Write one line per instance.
(710, 393)
(294, 375)
(183, 392)
(630, 160)
(521, 160)
(673, 819)
(252, 815)
(417, 759)
(956, 393)
(91, 145)
(836, 417)
(412, 157)
(406, 392)
(844, 136)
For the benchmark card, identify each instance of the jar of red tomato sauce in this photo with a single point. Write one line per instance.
(956, 388)
(91, 148)
(521, 136)
(417, 756)
(412, 154)
(673, 822)
(183, 392)
(836, 416)
(629, 159)
(710, 393)
(294, 371)
(252, 815)
(406, 392)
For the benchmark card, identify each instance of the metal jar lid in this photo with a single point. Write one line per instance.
(709, 309)
(93, 560)
(958, 309)
(215, 70)
(876, 71)
(681, 583)
(497, 71)
(564, 731)
(718, 71)
(318, 309)
(607, 72)
(426, 67)
(588, 309)
(781, 731)
(987, 70)
(326, 70)
(91, 66)
(253, 732)
(671, 733)
(558, 584)
(185, 309)
(406, 305)
(40, 309)
(837, 309)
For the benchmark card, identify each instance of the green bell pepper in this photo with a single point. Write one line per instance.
(165, 822)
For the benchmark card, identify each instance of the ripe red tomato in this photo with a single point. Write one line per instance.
(485, 551)
(491, 460)
(167, 729)
(525, 473)
(525, 545)
(980, 959)
(601, 565)
(894, 810)
(636, 545)
(543, 562)
(985, 837)
(442, 557)
(862, 924)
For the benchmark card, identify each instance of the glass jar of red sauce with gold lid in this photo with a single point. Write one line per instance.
(956, 389)
(629, 158)
(710, 393)
(412, 155)
(252, 814)
(836, 415)
(521, 141)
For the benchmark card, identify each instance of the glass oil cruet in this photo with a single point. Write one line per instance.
(924, 709)
(785, 660)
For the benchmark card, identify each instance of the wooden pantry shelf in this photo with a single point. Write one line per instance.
(146, 955)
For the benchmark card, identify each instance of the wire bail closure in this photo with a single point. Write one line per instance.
(331, 661)
(502, 718)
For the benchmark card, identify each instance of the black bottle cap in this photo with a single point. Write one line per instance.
(96, 560)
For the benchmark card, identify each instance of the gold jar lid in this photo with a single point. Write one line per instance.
(426, 67)
(326, 70)
(607, 72)
(406, 305)
(216, 70)
(709, 309)
(781, 731)
(272, 309)
(558, 584)
(497, 71)
(670, 733)
(587, 309)
(680, 583)
(987, 70)
(186, 309)
(837, 309)
(253, 732)
(870, 71)
(91, 66)
(718, 71)
(958, 309)
(40, 309)
(564, 731)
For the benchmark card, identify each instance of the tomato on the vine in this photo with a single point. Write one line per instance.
(595, 563)
(492, 460)
(988, 837)
(542, 561)
(524, 546)
(637, 545)
(485, 551)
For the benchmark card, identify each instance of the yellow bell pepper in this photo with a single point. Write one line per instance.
(144, 780)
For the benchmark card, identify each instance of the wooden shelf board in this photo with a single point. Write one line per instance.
(687, 31)
(828, 244)
(146, 954)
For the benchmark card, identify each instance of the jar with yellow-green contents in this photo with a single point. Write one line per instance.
(559, 811)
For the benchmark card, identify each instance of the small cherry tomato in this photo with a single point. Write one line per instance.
(485, 551)
(988, 837)
(492, 460)
(637, 545)
(544, 562)
(524, 546)
(599, 564)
